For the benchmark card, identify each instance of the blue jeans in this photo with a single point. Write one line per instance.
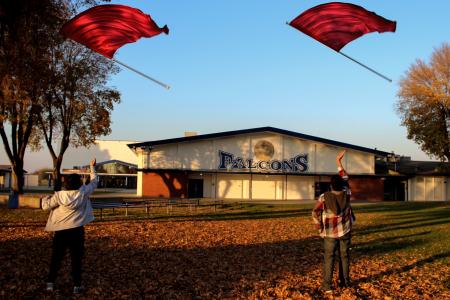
(339, 247)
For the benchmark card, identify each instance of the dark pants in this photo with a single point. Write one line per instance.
(339, 247)
(74, 240)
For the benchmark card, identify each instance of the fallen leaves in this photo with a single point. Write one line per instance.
(269, 258)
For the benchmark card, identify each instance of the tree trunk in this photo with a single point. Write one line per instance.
(16, 187)
(17, 181)
(57, 176)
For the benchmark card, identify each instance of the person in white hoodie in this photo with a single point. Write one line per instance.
(70, 210)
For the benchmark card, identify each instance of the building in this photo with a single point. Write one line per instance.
(7, 180)
(425, 180)
(111, 174)
(5, 176)
(257, 164)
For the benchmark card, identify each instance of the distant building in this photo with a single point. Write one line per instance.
(116, 163)
(5, 176)
(111, 174)
(422, 180)
(274, 164)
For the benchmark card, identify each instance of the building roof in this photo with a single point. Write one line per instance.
(413, 167)
(112, 161)
(257, 130)
(7, 168)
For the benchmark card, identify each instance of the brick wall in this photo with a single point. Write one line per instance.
(367, 189)
(164, 184)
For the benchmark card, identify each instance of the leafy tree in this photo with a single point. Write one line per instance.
(50, 82)
(77, 104)
(24, 53)
(424, 103)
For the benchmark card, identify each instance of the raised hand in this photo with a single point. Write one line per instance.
(340, 155)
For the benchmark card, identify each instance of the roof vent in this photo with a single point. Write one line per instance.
(190, 133)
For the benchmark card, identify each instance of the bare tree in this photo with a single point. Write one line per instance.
(24, 52)
(77, 105)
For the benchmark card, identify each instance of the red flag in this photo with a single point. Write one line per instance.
(106, 28)
(336, 24)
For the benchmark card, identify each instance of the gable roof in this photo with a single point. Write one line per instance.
(423, 168)
(257, 130)
(120, 162)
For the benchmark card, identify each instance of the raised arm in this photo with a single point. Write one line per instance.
(341, 169)
(344, 175)
(89, 188)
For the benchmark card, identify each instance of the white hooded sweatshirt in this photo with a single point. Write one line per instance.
(70, 209)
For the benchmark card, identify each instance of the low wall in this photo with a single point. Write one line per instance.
(4, 199)
(28, 201)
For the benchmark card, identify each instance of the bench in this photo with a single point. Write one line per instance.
(169, 204)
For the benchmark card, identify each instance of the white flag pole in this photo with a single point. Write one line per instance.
(354, 60)
(140, 73)
(364, 66)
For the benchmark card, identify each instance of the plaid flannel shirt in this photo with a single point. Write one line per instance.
(330, 224)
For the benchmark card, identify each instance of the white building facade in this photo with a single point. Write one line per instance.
(255, 164)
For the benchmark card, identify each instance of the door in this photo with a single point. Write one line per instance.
(195, 188)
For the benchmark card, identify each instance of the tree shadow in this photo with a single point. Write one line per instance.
(398, 207)
(114, 267)
(371, 243)
(214, 216)
(404, 269)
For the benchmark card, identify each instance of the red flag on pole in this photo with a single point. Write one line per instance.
(336, 24)
(106, 28)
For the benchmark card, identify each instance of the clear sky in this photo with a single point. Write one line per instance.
(235, 64)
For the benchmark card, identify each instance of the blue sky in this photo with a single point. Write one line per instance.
(235, 64)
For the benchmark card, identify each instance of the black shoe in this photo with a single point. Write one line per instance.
(78, 290)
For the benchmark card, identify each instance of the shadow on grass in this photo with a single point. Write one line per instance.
(117, 267)
(400, 226)
(386, 247)
(213, 216)
(399, 206)
(137, 268)
(397, 238)
(406, 268)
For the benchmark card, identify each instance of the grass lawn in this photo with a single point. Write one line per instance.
(400, 251)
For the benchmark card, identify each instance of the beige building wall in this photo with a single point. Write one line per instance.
(299, 187)
(204, 155)
(428, 188)
(233, 186)
(258, 187)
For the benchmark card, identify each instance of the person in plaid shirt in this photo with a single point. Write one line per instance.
(334, 217)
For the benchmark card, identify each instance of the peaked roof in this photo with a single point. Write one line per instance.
(423, 168)
(257, 130)
(120, 162)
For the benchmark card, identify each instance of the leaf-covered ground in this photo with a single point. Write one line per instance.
(400, 251)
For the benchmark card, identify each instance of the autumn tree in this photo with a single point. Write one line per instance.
(24, 56)
(424, 103)
(77, 105)
(49, 82)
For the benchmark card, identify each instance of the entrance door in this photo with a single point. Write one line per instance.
(195, 188)
(394, 190)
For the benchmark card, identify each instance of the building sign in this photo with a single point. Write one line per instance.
(227, 161)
